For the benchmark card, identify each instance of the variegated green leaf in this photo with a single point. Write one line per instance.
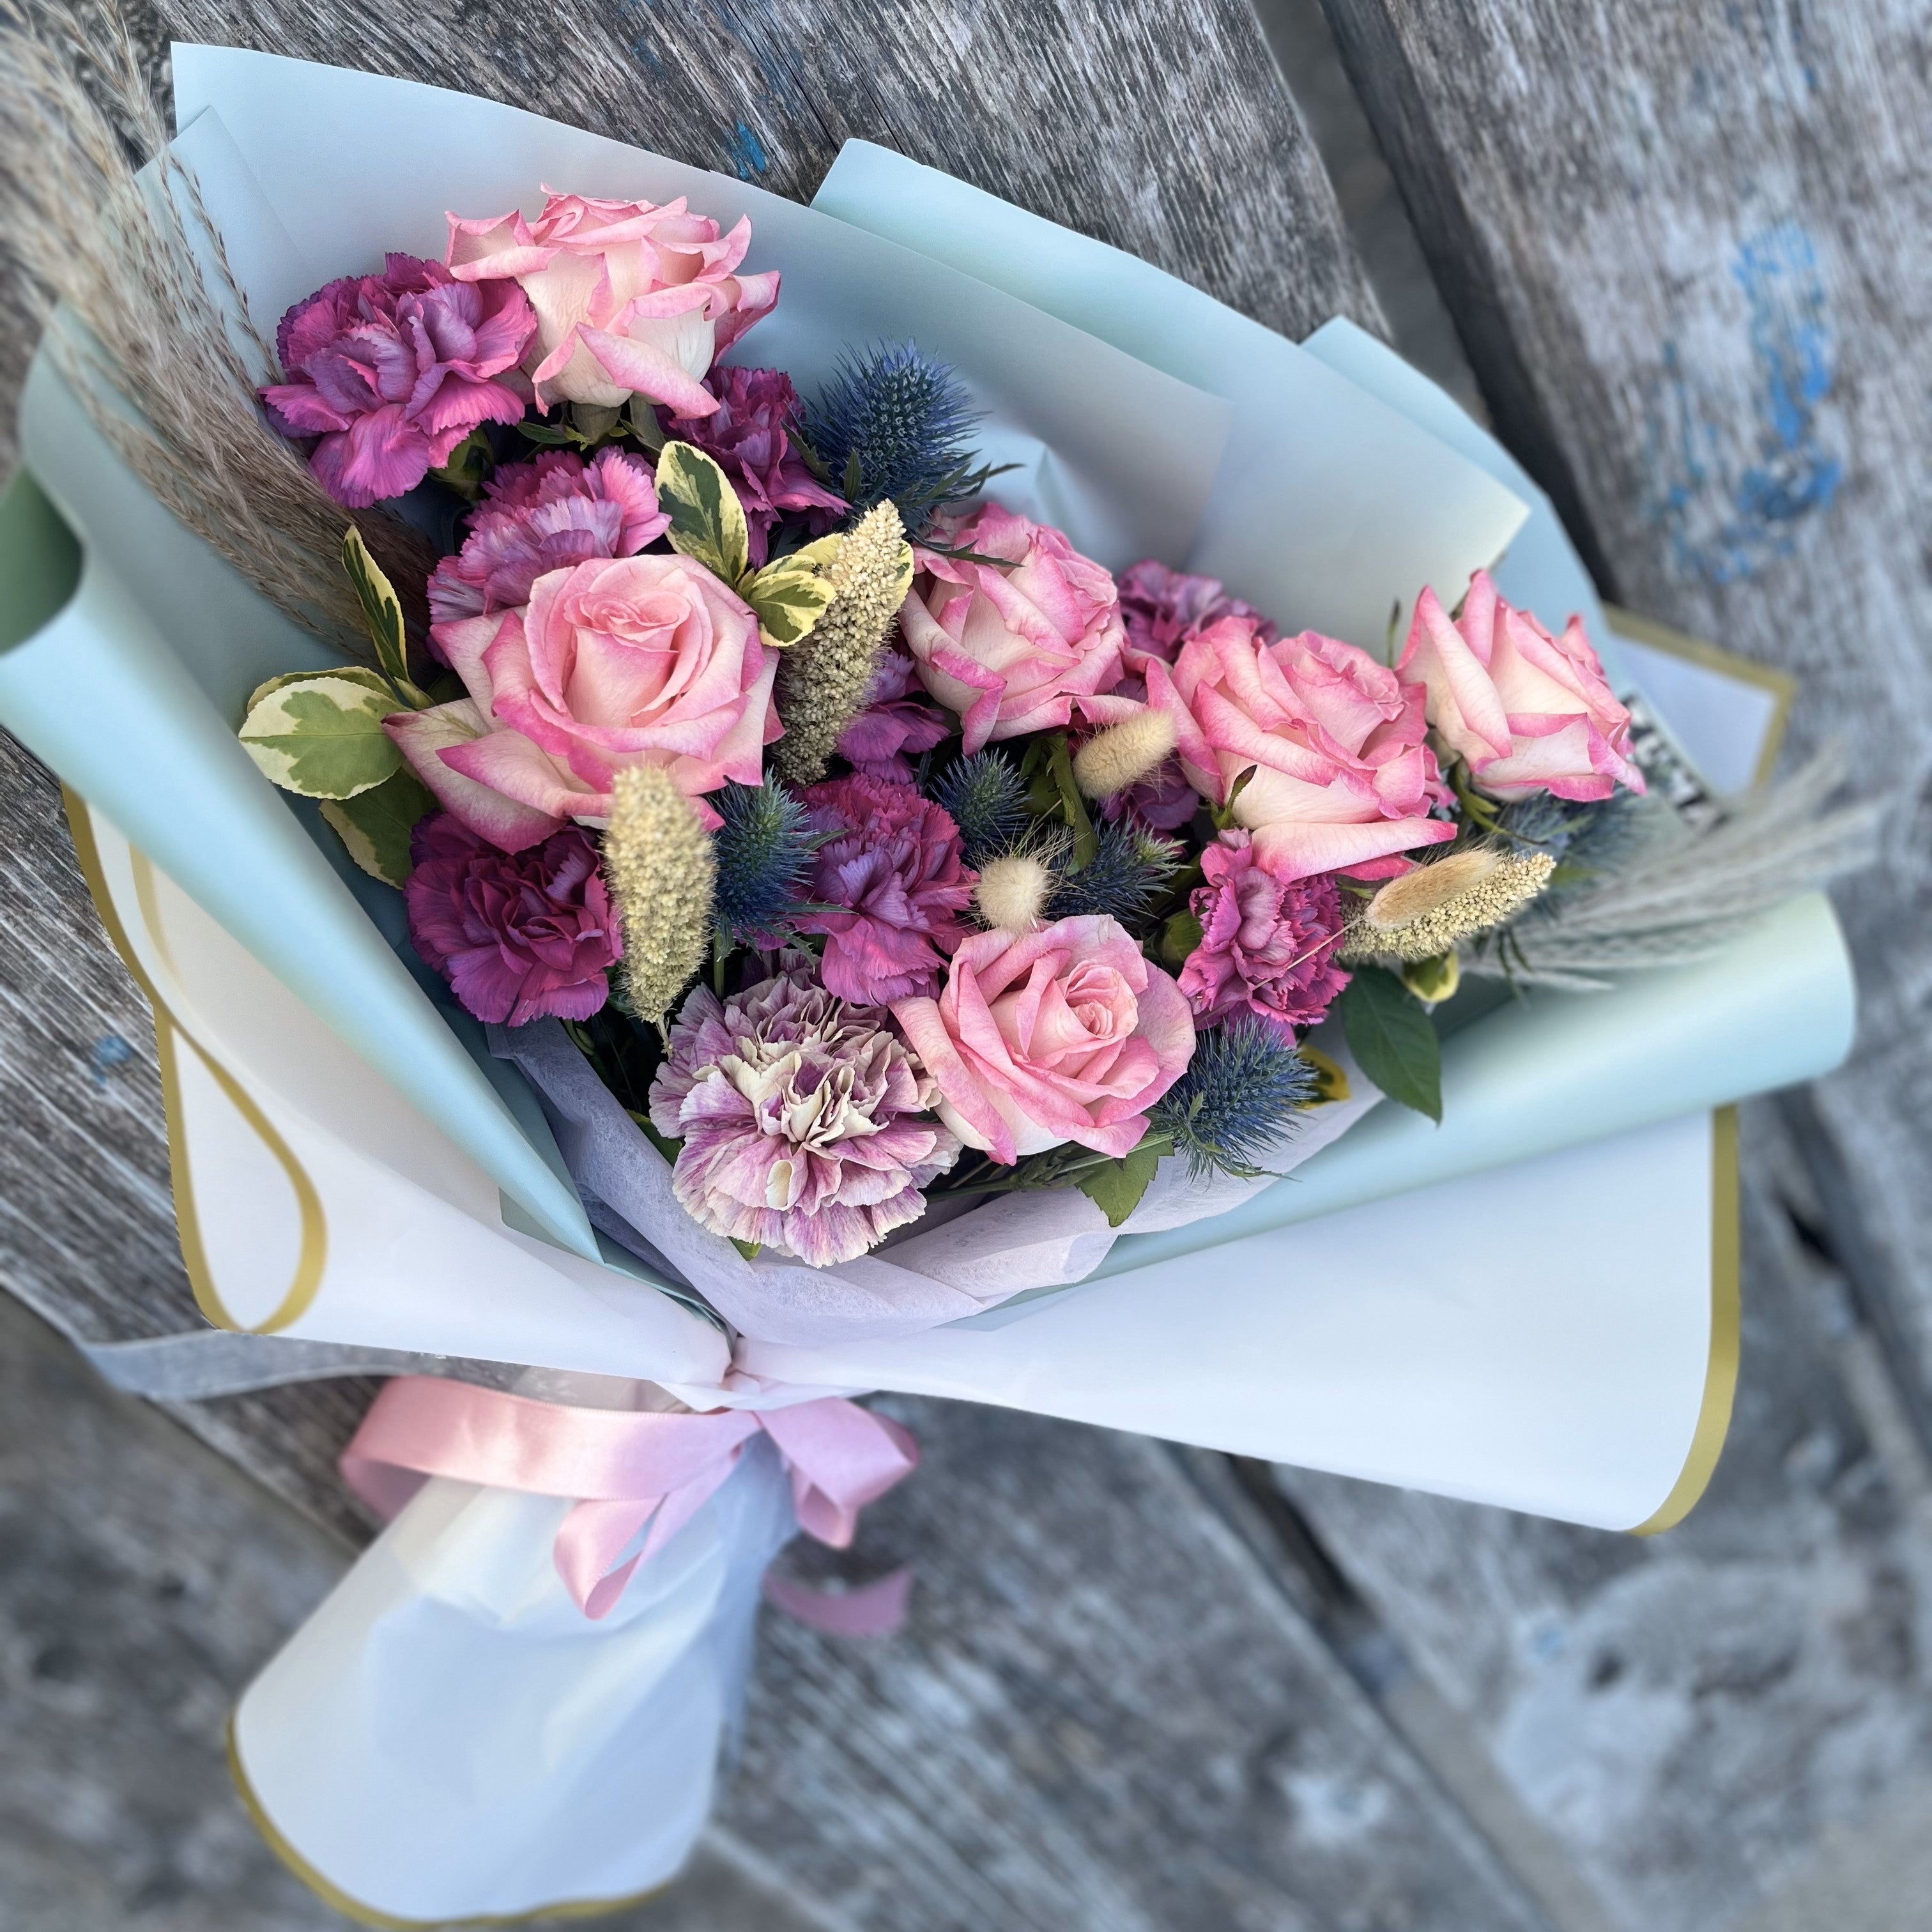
(322, 736)
(375, 825)
(383, 612)
(707, 521)
(360, 674)
(791, 595)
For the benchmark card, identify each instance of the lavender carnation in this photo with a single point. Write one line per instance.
(749, 437)
(548, 515)
(892, 868)
(519, 936)
(1162, 608)
(896, 719)
(392, 371)
(1266, 949)
(800, 1120)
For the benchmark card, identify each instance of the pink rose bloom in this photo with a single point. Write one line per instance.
(1342, 780)
(392, 371)
(1162, 608)
(1009, 647)
(1266, 948)
(749, 438)
(1066, 1033)
(804, 1121)
(542, 516)
(893, 722)
(892, 868)
(630, 298)
(618, 661)
(1526, 712)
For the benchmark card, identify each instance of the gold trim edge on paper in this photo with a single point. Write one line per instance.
(1720, 1372)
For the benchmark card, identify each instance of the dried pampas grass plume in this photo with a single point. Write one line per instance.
(822, 679)
(662, 871)
(1123, 753)
(165, 365)
(1432, 909)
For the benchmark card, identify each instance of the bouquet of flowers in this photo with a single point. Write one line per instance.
(719, 802)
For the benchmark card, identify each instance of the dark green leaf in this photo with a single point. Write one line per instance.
(469, 467)
(550, 434)
(383, 612)
(1116, 1187)
(1393, 1039)
(1179, 937)
(375, 825)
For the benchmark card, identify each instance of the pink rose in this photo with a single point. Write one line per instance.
(1009, 647)
(1526, 712)
(1066, 1033)
(616, 660)
(1342, 780)
(630, 298)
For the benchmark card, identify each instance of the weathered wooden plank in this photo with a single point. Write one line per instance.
(1687, 1716)
(1165, 129)
(1685, 247)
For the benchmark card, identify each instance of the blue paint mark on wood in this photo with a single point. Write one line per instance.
(1727, 510)
(746, 151)
(110, 1051)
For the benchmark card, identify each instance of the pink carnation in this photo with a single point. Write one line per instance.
(749, 437)
(1342, 779)
(1009, 647)
(1266, 948)
(1064, 1034)
(541, 516)
(1527, 711)
(392, 371)
(517, 937)
(892, 867)
(801, 1119)
(631, 298)
(892, 723)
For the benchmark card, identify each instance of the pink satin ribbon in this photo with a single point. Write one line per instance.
(623, 1468)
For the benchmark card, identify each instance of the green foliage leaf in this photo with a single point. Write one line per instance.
(1116, 1188)
(383, 612)
(1331, 1084)
(551, 436)
(1432, 981)
(1223, 815)
(369, 680)
(643, 419)
(469, 467)
(707, 521)
(1072, 807)
(1179, 937)
(321, 736)
(375, 825)
(792, 594)
(1393, 1039)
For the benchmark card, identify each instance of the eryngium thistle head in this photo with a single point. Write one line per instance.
(1239, 1094)
(661, 870)
(893, 424)
(764, 851)
(1433, 909)
(1125, 879)
(823, 679)
(984, 796)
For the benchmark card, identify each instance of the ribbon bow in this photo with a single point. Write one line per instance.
(625, 1469)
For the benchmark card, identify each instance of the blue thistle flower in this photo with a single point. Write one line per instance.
(1125, 879)
(893, 424)
(985, 796)
(1240, 1092)
(764, 849)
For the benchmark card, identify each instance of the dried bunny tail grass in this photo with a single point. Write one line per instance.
(1123, 753)
(822, 679)
(152, 359)
(662, 870)
(1429, 911)
(1682, 894)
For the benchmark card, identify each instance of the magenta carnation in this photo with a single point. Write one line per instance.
(1266, 948)
(749, 436)
(392, 371)
(1162, 608)
(892, 722)
(800, 1118)
(518, 935)
(546, 515)
(892, 867)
